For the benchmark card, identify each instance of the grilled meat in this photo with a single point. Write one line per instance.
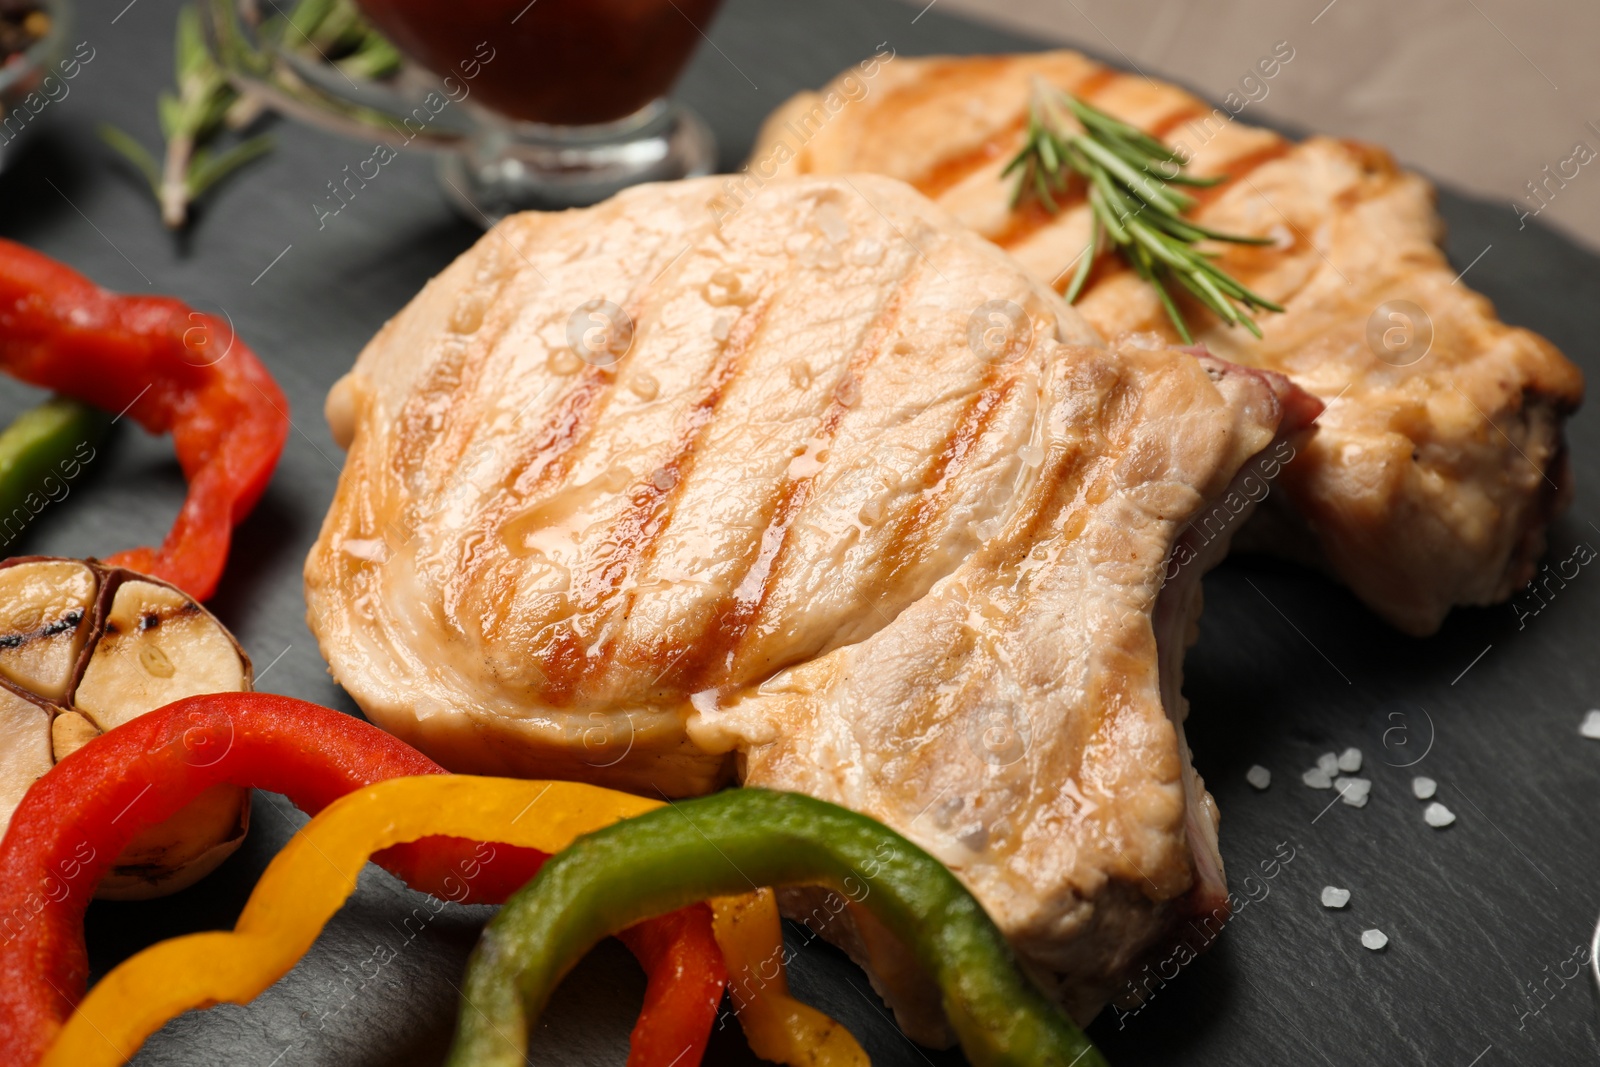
(1440, 460)
(825, 490)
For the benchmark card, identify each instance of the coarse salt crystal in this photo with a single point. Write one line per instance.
(1317, 778)
(1333, 897)
(1438, 815)
(1591, 725)
(832, 223)
(1423, 787)
(1353, 791)
(1328, 763)
(1374, 939)
(1258, 776)
(866, 252)
(1350, 760)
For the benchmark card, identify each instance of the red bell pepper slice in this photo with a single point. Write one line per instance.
(77, 819)
(171, 369)
(687, 977)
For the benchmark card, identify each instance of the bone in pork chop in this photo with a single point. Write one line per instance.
(1440, 461)
(828, 491)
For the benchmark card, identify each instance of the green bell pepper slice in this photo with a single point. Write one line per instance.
(722, 845)
(50, 442)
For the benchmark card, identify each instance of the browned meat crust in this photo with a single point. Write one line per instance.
(1433, 475)
(805, 517)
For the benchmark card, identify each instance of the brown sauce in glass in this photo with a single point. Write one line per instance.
(561, 62)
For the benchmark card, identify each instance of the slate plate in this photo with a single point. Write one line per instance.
(1289, 666)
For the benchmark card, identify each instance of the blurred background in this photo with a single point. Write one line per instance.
(1484, 93)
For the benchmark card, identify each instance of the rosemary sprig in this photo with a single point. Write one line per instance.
(190, 118)
(1130, 181)
(204, 104)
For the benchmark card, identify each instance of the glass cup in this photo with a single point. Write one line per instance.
(545, 104)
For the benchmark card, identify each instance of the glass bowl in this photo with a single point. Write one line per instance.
(489, 164)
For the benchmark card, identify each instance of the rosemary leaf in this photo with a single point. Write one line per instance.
(203, 103)
(1132, 183)
(133, 152)
(207, 169)
(1085, 260)
(309, 14)
(374, 58)
(1151, 192)
(169, 110)
(1095, 118)
(1109, 218)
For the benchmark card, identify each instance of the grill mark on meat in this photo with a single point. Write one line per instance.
(1068, 486)
(632, 538)
(549, 453)
(544, 456)
(544, 461)
(635, 533)
(1123, 406)
(1029, 217)
(1190, 111)
(1239, 169)
(453, 379)
(911, 524)
(1096, 83)
(948, 75)
(1376, 162)
(738, 612)
(548, 457)
(1247, 263)
(560, 661)
(1054, 513)
(953, 170)
(415, 424)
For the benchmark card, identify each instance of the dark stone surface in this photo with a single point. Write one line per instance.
(1288, 666)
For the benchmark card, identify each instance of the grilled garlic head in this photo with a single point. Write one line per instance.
(83, 649)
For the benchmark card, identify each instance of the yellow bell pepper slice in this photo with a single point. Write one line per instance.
(315, 873)
(778, 1027)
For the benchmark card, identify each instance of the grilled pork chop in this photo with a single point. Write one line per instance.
(828, 491)
(1437, 467)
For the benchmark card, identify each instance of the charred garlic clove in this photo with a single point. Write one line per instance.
(45, 605)
(177, 853)
(69, 732)
(83, 649)
(24, 749)
(156, 646)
